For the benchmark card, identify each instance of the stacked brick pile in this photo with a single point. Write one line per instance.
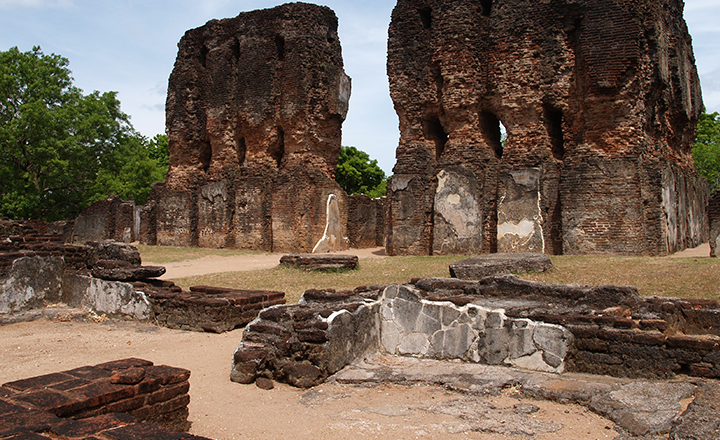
(130, 398)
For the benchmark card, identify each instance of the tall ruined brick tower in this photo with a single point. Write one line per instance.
(599, 99)
(254, 113)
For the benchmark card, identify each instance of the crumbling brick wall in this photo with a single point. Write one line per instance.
(108, 219)
(254, 112)
(599, 100)
(714, 220)
(366, 221)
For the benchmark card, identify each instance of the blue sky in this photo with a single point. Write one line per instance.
(130, 46)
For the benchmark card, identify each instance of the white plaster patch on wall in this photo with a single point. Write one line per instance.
(520, 216)
(457, 205)
(523, 229)
(411, 326)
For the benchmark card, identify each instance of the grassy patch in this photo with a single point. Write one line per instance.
(294, 281)
(171, 254)
(662, 276)
(681, 277)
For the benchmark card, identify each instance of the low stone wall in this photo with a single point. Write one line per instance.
(412, 326)
(501, 320)
(303, 344)
(107, 278)
(85, 401)
(204, 308)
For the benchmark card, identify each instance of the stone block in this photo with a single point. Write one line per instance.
(320, 261)
(115, 272)
(495, 264)
(30, 283)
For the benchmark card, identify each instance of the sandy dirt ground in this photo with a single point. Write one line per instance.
(221, 409)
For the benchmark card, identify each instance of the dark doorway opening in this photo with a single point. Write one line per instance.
(492, 132)
(553, 118)
(435, 132)
(426, 17)
(277, 152)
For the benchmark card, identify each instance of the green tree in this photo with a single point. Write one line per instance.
(60, 150)
(706, 149)
(357, 174)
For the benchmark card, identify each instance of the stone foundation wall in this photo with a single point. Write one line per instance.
(304, 344)
(499, 320)
(107, 278)
(114, 397)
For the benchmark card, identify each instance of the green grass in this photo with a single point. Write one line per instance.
(294, 281)
(681, 277)
(171, 254)
(661, 276)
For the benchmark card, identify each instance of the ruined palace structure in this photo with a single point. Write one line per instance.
(254, 112)
(599, 99)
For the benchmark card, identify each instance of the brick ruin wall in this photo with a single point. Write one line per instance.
(254, 113)
(599, 100)
(714, 221)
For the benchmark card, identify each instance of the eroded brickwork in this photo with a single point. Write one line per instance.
(599, 100)
(254, 113)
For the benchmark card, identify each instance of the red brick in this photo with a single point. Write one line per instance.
(124, 363)
(59, 403)
(103, 392)
(167, 374)
(167, 393)
(38, 382)
(694, 342)
(92, 425)
(31, 420)
(143, 431)
(88, 373)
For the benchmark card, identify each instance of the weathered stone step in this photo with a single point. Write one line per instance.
(482, 266)
(320, 261)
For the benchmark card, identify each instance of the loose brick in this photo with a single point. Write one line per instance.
(168, 375)
(56, 402)
(167, 393)
(124, 363)
(103, 392)
(92, 425)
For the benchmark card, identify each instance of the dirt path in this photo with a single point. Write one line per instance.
(224, 410)
(217, 264)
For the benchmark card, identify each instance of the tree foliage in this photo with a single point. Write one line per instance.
(357, 174)
(706, 150)
(60, 150)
